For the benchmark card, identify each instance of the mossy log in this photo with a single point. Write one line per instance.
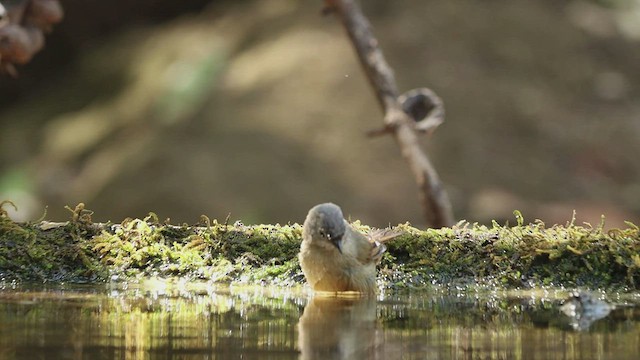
(522, 255)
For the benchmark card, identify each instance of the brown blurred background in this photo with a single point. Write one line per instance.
(258, 109)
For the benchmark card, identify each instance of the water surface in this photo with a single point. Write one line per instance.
(157, 320)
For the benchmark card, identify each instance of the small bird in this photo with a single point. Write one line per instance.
(336, 257)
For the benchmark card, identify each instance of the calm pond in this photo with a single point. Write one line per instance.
(187, 320)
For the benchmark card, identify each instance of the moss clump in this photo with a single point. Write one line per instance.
(523, 255)
(33, 251)
(210, 250)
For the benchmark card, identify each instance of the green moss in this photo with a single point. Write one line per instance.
(523, 255)
(33, 252)
(213, 251)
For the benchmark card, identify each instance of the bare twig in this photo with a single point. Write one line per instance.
(434, 198)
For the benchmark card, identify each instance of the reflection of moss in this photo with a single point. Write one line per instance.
(511, 256)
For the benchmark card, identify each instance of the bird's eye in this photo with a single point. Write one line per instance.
(321, 233)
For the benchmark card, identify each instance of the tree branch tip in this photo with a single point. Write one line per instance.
(385, 130)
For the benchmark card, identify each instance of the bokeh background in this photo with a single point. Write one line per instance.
(258, 109)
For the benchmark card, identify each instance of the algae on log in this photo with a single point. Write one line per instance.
(523, 255)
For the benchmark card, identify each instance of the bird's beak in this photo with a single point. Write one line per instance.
(337, 242)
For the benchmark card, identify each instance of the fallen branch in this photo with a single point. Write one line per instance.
(417, 110)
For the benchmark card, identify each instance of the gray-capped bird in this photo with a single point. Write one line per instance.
(336, 257)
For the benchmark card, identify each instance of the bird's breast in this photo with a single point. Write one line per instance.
(329, 270)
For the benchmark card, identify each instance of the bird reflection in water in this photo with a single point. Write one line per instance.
(339, 328)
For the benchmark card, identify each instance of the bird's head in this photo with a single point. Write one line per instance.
(325, 226)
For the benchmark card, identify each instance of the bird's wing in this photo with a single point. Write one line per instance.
(377, 238)
(367, 248)
(377, 251)
(356, 245)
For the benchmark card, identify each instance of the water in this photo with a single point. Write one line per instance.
(156, 320)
